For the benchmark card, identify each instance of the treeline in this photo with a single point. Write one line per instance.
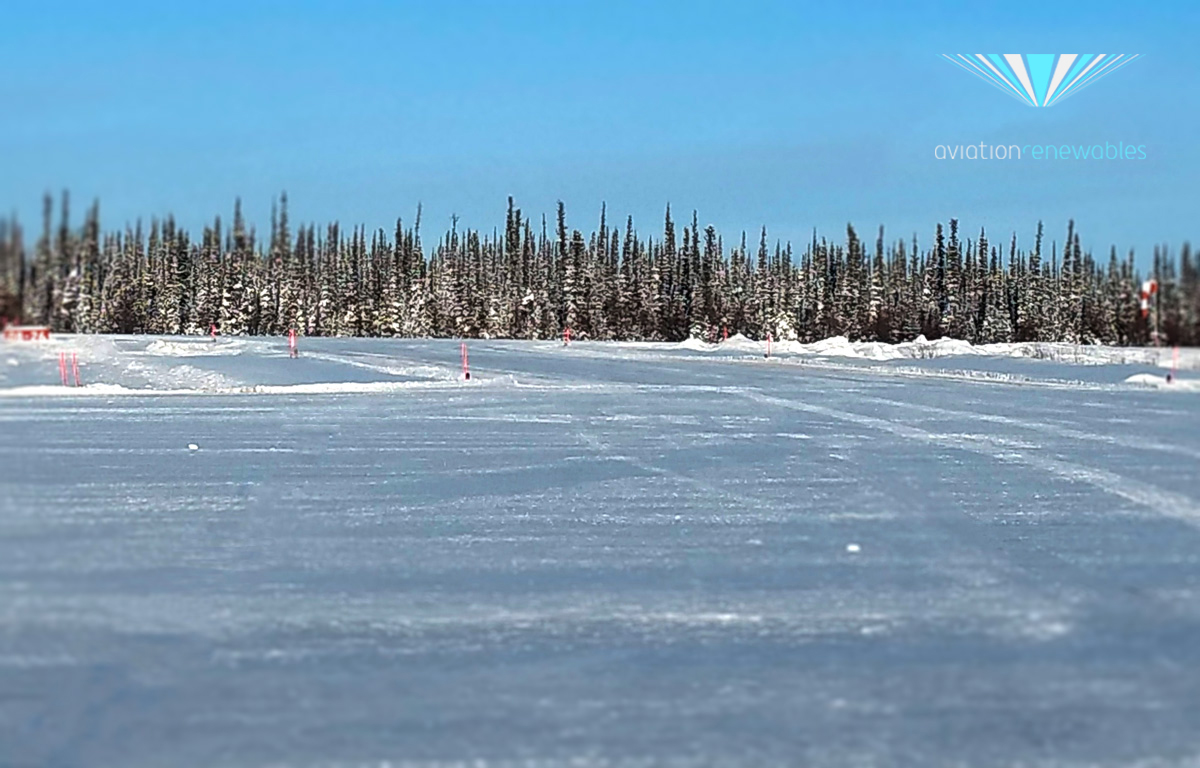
(532, 281)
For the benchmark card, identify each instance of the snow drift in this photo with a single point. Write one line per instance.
(924, 349)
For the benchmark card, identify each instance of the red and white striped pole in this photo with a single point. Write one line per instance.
(292, 342)
(566, 337)
(62, 368)
(465, 363)
(1149, 289)
(75, 366)
(212, 331)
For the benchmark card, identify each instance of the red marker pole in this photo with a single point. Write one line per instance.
(292, 343)
(566, 337)
(768, 346)
(75, 366)
(212, 331)
(465, 363)
(725, 333)
(62, 368)
(1174, 364)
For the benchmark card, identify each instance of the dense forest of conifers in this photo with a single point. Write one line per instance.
(531, 281)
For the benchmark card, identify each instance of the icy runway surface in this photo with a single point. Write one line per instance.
(605, 555)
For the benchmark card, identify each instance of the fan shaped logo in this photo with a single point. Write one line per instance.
(1041, 79)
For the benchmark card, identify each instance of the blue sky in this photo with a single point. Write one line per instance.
(754, 113)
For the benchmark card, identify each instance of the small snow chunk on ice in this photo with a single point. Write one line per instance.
(193, 447)
(1146, 378)
(853, 549)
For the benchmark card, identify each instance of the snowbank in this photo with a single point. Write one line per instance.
(924, 349)
(341, 387)
(322, 388)
(739, 342)
(697, 345)
(87, 390)
(196, 348)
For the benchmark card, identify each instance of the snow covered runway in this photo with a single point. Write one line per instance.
(604, 555)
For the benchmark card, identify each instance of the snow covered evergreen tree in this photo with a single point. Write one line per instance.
(607, 284)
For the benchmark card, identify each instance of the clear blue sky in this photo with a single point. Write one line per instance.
(753, 113)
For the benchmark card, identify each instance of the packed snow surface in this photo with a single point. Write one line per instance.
(598, 555)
